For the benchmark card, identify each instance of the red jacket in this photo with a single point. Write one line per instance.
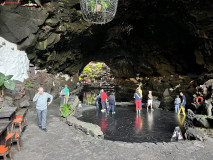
(103, 96)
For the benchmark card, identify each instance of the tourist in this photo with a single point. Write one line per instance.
(150, 98)
(177, 104)
(140, 91)
(41, 106)
(111, 100)
(103, 97)
(137, 97)
(183, 103)
(97, 98)
(78, 85)
(61, 96)
(65, 93)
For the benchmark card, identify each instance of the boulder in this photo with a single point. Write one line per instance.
(209, 106)
(166, 93)
(7, 103)
(9, 98)
(88, 128)
(52, 22)
(156, 103)
(194, 134)
(24, 103)
(30, 92)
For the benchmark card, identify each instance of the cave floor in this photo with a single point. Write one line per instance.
(63, 142)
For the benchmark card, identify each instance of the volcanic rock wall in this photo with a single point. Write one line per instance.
(146, 39)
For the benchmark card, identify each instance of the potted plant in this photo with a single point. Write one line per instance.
(6, 82)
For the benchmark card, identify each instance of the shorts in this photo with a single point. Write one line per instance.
(149, 102)
(183, 105)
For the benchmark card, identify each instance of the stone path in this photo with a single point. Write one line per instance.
(63, 142)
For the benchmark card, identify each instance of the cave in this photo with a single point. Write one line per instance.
(163, 46)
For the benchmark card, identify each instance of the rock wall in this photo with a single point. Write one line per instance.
(149, 38)
(13, 61)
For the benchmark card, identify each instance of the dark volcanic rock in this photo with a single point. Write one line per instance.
(146, 37)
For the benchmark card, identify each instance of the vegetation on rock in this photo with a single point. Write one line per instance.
(94, 71)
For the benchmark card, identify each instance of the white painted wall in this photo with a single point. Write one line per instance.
(13, 61)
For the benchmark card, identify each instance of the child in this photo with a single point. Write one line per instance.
(150, 100)
(137, 97)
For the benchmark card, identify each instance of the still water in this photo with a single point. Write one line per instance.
(125, 125)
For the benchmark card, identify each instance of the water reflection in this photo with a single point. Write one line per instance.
(150, 119)
(138, 124)
(103, 123)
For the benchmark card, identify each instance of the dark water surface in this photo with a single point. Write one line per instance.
(125, 125)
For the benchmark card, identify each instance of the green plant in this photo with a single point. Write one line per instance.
(29, 85)
(6, 82)
(95, 6)
(65, 110)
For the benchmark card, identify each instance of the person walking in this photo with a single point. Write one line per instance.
(65, 93)
(150, 99)
(137, 101)
(97, 98)
(183, 103)
(103, 100)
(111, 100)
(61, 97)
(140, 91)
(41, 106)
(177, 104)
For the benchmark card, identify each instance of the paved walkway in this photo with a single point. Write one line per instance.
(63, 142)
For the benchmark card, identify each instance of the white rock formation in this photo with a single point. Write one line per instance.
(12, 61)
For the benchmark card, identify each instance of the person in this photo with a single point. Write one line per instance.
(65, 93)
(137, 100)
(177, 104)
(41, 106)
(103, 97)
(183, 103)
(78, 85)
(140, 91)
(111, 100)
(97, 98)
(62, 97)
(150, 101)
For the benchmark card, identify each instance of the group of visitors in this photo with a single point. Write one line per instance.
(138, 96)
(180, 103)
(104, 98)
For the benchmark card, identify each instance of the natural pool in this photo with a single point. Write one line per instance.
(127, 126)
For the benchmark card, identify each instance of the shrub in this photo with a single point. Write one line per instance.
(65, 110)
